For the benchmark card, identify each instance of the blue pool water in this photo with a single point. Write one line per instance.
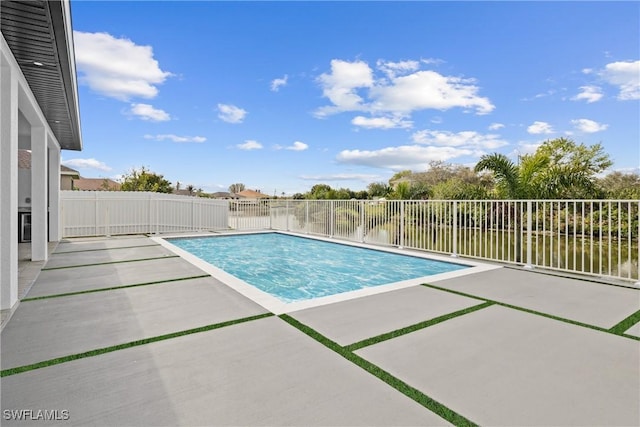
(297, 268)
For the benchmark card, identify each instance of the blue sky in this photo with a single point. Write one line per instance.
(281, 96)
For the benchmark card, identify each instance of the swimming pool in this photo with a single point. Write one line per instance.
(293, 269)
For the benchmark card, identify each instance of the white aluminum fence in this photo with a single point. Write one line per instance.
(249, 214)
(596, 237)
(100, 213)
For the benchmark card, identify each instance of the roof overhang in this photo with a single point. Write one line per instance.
(40, 37)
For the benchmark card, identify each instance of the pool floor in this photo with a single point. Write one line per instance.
(293, 268)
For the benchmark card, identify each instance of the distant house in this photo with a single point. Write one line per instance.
(95, 184)
(224, 195)
(184, 192)
(67, 175)
(251, 194)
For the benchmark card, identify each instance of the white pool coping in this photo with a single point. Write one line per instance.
(277, 306)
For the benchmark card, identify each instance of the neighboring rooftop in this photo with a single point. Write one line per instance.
(95, 184)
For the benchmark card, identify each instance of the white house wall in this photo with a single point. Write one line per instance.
(16, 98)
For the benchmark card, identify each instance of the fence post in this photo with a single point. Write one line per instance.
(402, 210)
(455, 229)
(306, 217)
(331, 218)
(286, 211)
(529, 237)
(362, 224)
(95, 196)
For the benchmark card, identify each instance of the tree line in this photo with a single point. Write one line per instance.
(559, 169)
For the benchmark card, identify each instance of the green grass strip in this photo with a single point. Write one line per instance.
(538, 313)
(404, 388)
(625, 324)
(412, 328)
(110, 262)
(99, 351)
(103, 249)
(90, 291)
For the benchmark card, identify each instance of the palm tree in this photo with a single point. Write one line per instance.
(546, 174)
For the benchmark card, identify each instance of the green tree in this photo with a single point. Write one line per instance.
(236, 188)
(321, 192)
(618, 185)
(379, 189)
(558, 169)
(144, 180)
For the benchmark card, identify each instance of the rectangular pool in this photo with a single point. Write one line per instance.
(293, 269)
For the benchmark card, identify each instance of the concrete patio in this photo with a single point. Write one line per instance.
(119, 331)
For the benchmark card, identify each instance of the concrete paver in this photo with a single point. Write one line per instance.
(95, 257)
(587, 302)
(75, 245)
(262, 372)
(65, 280)
(56, 327)
(499, 366)
(355, 320)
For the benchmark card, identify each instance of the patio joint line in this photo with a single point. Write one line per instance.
(401, 386)
(110, 262)
(415, 327)
(113, 288)
(99, 351)
(621, 327)
(104, 249)
(538, 313)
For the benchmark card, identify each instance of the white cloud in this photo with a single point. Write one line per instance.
(250, 145)
(495, 126)
(589, 94)
(540, 127)
(381, 122)
(341, 177)
(147, 112)
(231, 113)
(525, 148)
(428, 90)
(86, 164)
(296, 146)
(402, 157)
(403, 89)
(276, 84)
(117, 68)
(588, 126)
(392, 69)
(466, 139)
(176, 138)
(341, 84)
(625, 75)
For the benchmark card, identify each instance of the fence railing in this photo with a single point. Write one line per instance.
(595, 237)
(99, 213)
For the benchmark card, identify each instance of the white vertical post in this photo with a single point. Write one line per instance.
(306, 217)
(402, 210)
(54, 193)
(287, 214)
(39, 193)
(331, 218)
(362, 224)
(8, 184)
(529, 263)
(455, 229)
